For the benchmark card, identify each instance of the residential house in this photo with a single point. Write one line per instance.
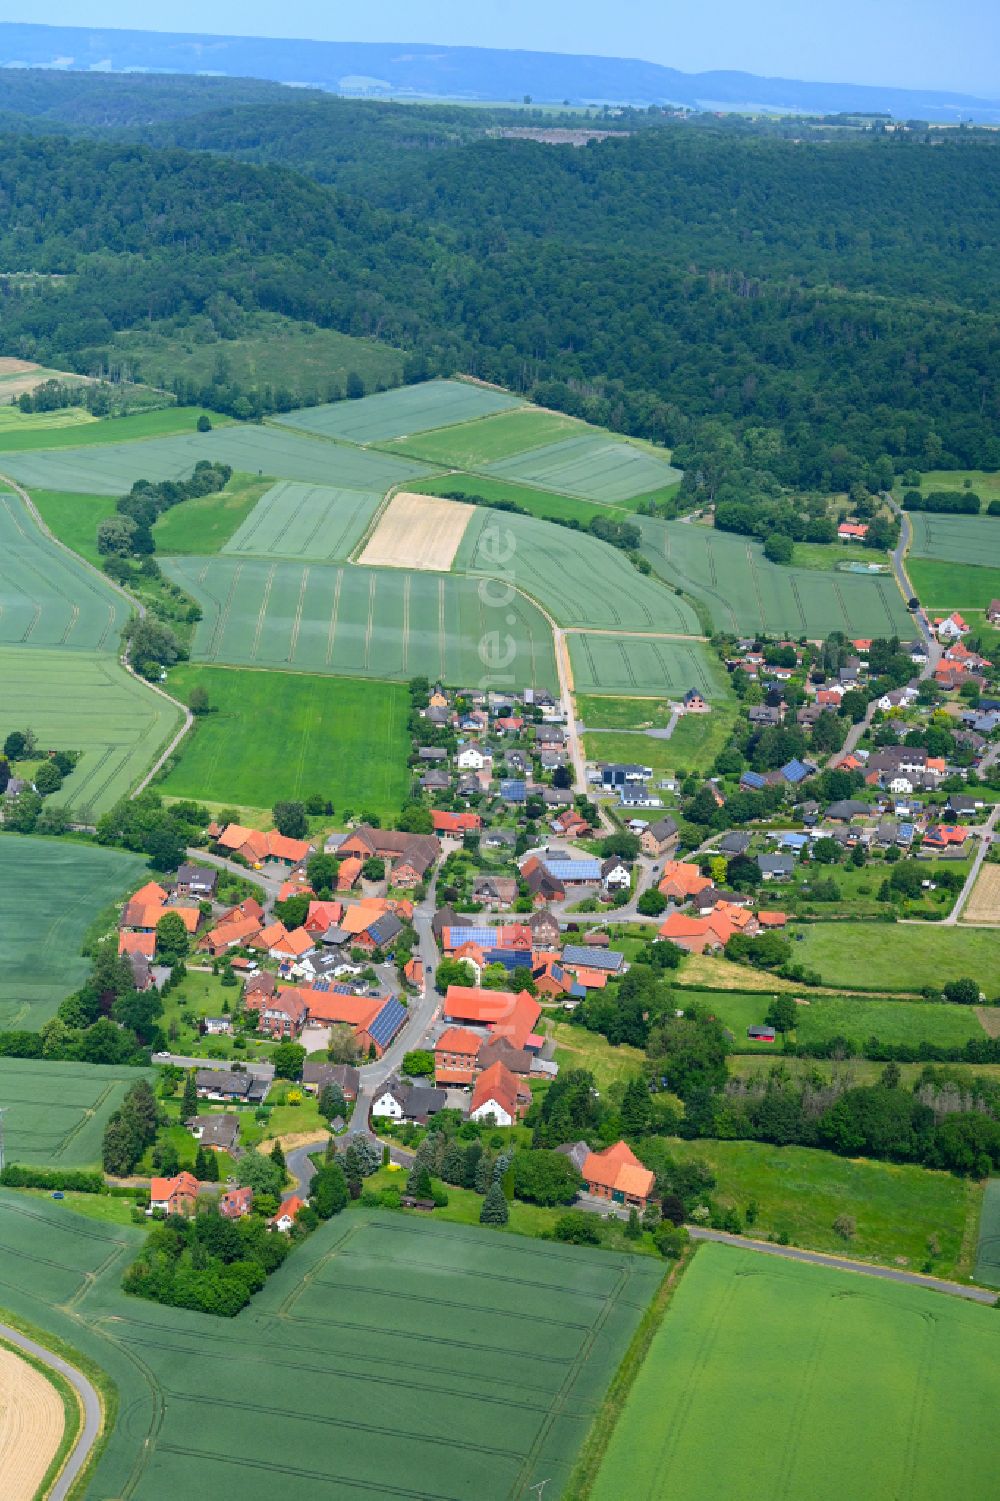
(496, 893)
(952, 627)
(571, 825)
(736, 843)
(544, 928)
(196, 881)
(455, 825)
(455, 1055)
(223, 1084)
(594, 956)
(408, 1102)
(614, 775)
(473, 758)
(498, 839)
(852, 531)
(776, 867)
(435, 780)
(236, 1203)
(281, 1016)
(659, 838)
(993, 612)
(615, 875)
(256, 847)
(217, 1026)
(317, 1075)
(176, 1195)
(616, 1174)
(139, 945)
(287, 1214)
(432, 753)
(499, 1095)
(694, 703)
(220, 1133)
(681, 880)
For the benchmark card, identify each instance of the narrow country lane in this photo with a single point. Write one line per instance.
(91, 1403)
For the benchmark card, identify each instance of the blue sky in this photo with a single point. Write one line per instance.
(918, 43)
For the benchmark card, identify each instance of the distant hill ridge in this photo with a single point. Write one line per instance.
(420, 70)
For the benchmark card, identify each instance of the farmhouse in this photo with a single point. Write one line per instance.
(255, 847)
(504, 1013)
(498, 1095)
(682, 880)
(408, 856)
(616, 1174)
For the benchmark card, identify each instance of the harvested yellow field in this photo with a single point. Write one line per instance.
(984, 903)
(11, 366)
(31, 1427)
(418, 531)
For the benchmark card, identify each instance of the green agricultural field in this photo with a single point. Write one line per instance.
(362, 622)
(896, 1023)
(112, 468)
(487, 440)
(306, 521)
(973, 540)
(988, 1247)
(594, 466)
(377, 1361)
(541, 503)
(899, 956)
(271, 351)
(580, 580)
(87, 703)
(771, 1378)
(47, 598)
(742, 591)
(162, 423)
(952, 586)
(394, 414)
(52, 891)
(643, 664)
(55, 1113)
(274, 735)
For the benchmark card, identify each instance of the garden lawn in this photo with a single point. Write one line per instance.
(52, 890)
(952, 586)
(163, 423)
(801, 1191)
(578, 1048)
(277, 735)
(55, 1113)
(899, 956)
(376, 1361)
(599, 712)
(768, 1378)
(857, 1018)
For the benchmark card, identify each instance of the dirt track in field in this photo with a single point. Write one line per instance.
(418, 531)
(984, 903)
(31, 1427)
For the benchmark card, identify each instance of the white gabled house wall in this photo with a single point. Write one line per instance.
(491, 1108)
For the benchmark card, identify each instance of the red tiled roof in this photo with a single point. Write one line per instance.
(458, 1040)
(618, 1168)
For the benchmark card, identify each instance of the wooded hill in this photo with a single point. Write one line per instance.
(789, 311)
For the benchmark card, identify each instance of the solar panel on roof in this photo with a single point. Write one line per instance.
(574, 870)
(484, 938)
(388, 1022)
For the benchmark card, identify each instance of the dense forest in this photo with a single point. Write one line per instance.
(804, 313)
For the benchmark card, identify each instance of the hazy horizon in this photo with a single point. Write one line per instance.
(896, 44)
